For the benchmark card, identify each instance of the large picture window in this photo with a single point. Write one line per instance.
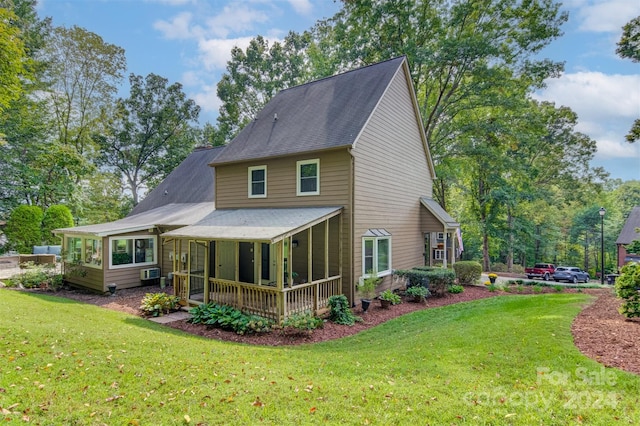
(85, 250)
(308, 177)
(376, 252)
(258, 182)
(132, 251)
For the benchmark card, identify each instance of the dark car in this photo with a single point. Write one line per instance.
(570, 274)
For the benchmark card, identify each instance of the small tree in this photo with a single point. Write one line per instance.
(24, 228)
(56, 216)
(627, 286)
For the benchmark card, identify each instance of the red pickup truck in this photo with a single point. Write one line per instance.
(540, 270)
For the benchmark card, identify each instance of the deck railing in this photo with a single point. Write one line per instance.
(267, 301)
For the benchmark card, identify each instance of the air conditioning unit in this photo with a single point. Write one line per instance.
(150, 274)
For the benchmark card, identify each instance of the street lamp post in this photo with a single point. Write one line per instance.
(602, 212)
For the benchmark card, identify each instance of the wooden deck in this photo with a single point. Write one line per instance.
(263, 300)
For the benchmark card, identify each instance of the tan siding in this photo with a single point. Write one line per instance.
(335, 190)
(232, 182)
(391, 173)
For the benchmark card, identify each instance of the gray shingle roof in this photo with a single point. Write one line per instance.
(440, 214)
(320, 115)
(193, 181)
(628, 233)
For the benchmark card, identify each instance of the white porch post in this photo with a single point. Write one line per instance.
(445, 251)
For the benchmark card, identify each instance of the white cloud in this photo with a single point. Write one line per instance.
(207, 98)
(302, 7)
(606, 106)
(605, 15)
(235, 18)
(178, 28)
(214, 53)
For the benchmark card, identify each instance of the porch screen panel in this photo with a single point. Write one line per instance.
(197, 261)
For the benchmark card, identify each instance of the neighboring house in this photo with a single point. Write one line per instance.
(331, 182)
(126, 250)
(629, 233)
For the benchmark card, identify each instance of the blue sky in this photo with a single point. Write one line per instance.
(189, 41)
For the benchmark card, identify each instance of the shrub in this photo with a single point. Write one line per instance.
(56, 216)
(467, 271)
(537, 288)
(455, 289)
(437, 280)
(499, 267)
(339, 311)
(229, 318)
(417, 292)
(302, 323)
(23, 228)
(157, 304)
(37, 276)
(558, 288)
(517, 269)
(627, 285)
(391, 297)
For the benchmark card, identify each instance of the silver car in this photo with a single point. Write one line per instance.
(570, 274)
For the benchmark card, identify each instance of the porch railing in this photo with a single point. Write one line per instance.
(267, 301)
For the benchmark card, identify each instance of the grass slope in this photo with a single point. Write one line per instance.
(504, 360)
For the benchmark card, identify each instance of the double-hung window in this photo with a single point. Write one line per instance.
(258, 182)
(376, 252)
(308, 177)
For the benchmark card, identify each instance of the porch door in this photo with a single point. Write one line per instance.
(246, 261)
(226, 260)
(267, 264)
(197, 258)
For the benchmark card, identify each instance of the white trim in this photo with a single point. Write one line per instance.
(250, 181)
(83, 253)
(299, 165)
(133, 264)
(375, 255)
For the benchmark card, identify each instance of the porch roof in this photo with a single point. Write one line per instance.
(439, 213)
(174, 214)
(259, 224)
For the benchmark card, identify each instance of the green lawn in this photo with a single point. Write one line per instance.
(503, 360)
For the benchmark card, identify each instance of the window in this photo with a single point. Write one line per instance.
(93, 252)
(438, 254)
(376, 252)
(132, 251)
(308, 177)
(258, 182)
(85, 250)
(74, 249)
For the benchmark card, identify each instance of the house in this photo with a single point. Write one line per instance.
(630, 232)
(133, 247)
(331, 182)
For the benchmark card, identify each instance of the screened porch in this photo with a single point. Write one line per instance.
(291, 265)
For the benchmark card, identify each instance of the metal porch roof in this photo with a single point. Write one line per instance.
(174, 214)
(259, 224)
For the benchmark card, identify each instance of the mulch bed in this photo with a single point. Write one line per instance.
(599, 331)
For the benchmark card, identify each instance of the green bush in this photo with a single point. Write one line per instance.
(467, 271)
(37, 276)
(229, 318)
(627, 285)
(417, 292)
(455, 289)
(437, 280)
(339, 311)
(24, 228)
(301, 323)
(56, 216)
(390, 296)
(157, 304)
(499, 267)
